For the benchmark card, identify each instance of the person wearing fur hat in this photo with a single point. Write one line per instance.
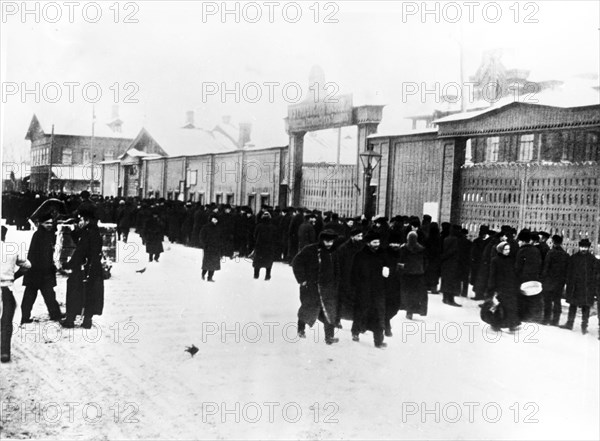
(346, 253)
(451, 277)
(85, 286)
(504, 283)
(210, 242)
(554, 277)
(154, 232)
(413, 264)
(42, 275)
(369, 271)
(265, 240)
(528, 265)
(307, 232)
(583, 284)
(316, 269)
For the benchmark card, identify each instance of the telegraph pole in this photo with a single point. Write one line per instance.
(48, 185)
(92, 151)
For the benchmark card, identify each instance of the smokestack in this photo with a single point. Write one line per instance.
(189, 120)
(245, 132)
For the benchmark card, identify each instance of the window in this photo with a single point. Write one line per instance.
(492, 147)
(526, 148)
(251, 201)
(264, 200)
(468, 152)
(219, 198)
(192, 177)
(230, 199)
(67, 156)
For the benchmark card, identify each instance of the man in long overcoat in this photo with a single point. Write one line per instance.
(42, 275)
(369, 272)
(85, 286)
(316, 268)
(583, 284)
(347, 293)
(554, 277)
(211, 243)
(451, 276)
(265, 244)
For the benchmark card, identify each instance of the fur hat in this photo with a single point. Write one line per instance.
(371, 236)
(500, 247)
(524, 236)
(328, 234)
(396, 237)
(557, 240)
(44, 217)
(585, 243)
(355, 231)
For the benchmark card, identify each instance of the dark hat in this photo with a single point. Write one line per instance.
(544, 234)
(524, 236)
(85, 194)
(371, 236)
(87, 213)
(44, 217)
(328, 234)
(484, 229)
(395, 237)
(556, 239)
(355, 231)
(585, 243)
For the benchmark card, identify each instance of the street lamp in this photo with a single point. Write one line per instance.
(370, 160)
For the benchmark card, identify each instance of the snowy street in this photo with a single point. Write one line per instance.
(443, 376)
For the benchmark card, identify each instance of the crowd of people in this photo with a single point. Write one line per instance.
(358, 269)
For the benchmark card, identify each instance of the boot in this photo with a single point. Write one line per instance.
(87, 322)
(388, 331)
(331, 340)
(584, 329)
(355, 337)
(381, 345)
(568, 325)
(409, 315)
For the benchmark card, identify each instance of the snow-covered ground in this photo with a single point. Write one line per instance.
(445, 376)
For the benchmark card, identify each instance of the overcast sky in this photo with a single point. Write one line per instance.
(174, 51)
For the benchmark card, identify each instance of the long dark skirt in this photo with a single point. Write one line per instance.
(84, 295)
(414, 294)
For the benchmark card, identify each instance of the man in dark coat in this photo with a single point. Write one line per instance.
(85, 286)
(124, 218)
(265, 244)
(295, 223)
(451, 276)
(42, 275)
(316, 268)
(393, 296)
(503, 282)
(583, 284)
(227, 224)
(306, 232)
(476, 257)
(211, 243)
(554, 277)
(528, 266)
(369, 271)
(347, 294)
(154, 232)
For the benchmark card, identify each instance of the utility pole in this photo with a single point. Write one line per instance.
(50, 161)
(92, 151)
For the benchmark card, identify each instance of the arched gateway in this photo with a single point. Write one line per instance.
(339, 187)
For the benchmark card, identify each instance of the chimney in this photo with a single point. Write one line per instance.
(189, 120)
(245, 131)
(226, 119)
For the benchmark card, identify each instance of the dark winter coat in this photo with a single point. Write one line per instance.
(477, 249)
(319, 268)
(227, 224)
(451, 276)
(124, 217)
(433, 251)
(306, 235)
(41, 251)
(370, 286)
(528, 264)
(154, 233)
(556, 266)
(211, 243)
(265, 244)
(347, 292)
(414, 291)
(85, 286)
(583, 279)
(393, 297)
(483, 271)
(503, 281)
